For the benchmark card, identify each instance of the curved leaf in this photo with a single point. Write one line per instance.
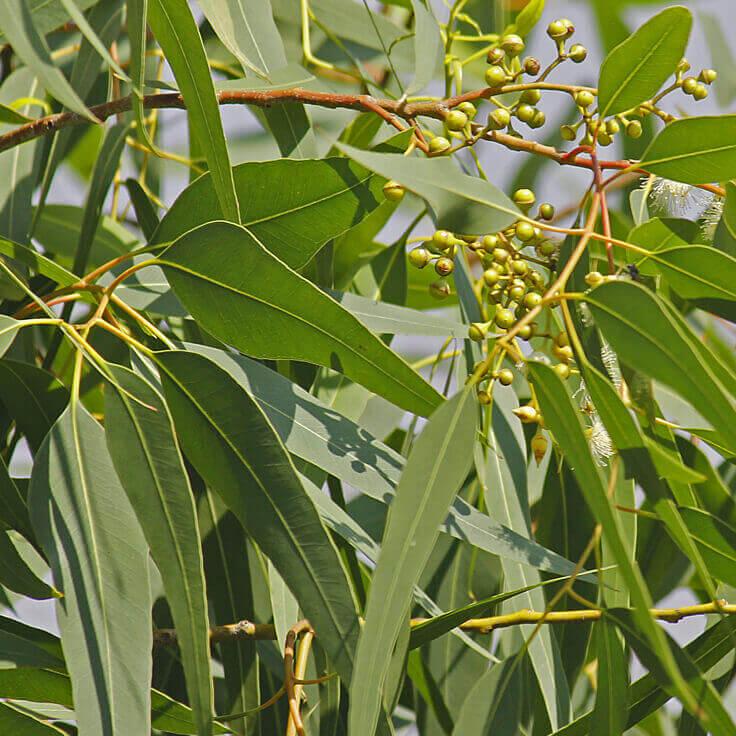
(17, 576)
(716, 541)
(323, 199)
(435, 470)
(141, 441)
(99, 559)
(636, 69)
(233, 446)
(273, 312)
(22, 723)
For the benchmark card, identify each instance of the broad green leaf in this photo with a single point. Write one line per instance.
(528, 17)
(716, 541)
(378, 316)
(609, 713)
(8, 330)
(725, 235)
(37, 262)
(31, 683)
(284, 606)
(16, 575)
(25, 646)
(564, 421)
(248, 31)
(708, 707)
(658, 234)
(106, 164)
(323, 199)
(17, 25)
(22, 723)
(502, 469)
(234, 447)
(140, 437)
(714, 440)
(436, 467)
(694, 150)
(47, 15)
(644, 333)
(99, 559)
(257, 290)
(177, 33)
(494, 705)
(429, 49)
(322, 436)
(635, 70)
(33, 397)
(461, 203)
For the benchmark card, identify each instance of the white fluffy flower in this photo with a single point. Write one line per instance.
(676, 198)
(600, 441)
(610, 361)
(711, 217)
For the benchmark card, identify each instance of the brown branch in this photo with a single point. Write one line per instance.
(218, 634)
(293, 691)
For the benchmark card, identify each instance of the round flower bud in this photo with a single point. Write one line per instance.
(634, 129)
(526, 332)
(532, 299)
(439, 289)
(546, 211)
(538, 120)
(439, 144)
(557, 29)
(708, 76)
(539, 446)
(683, 66)
(491, 276)
(519, 267)
(524, 198)
(689, 84)
(495, 296)
(604, 139)
(504, 318)
(562, 370)
(419, 257)
(393, 191)
(584, 99)
(500, 255)
(612, 126)
(568, 132)
(531, 66)
(524, 231)
(444, 266)
(495, 56)
(547, 248)
(499, 119)
(531, 96)
(495, 76)
(594, 278)
(563, 353)
(701, 92)
(527, 414)
(443, 239)
(525, 113)
(489, 242)
(512, 44)
(456, 120)
(484, 398)
(478, 331)
(505, 376)
(468, 108)
(536, 279)
(562, 340)
(577, 53)
(516, 293)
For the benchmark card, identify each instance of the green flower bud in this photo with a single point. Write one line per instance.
(689, 85)
(419, 257)
(538, 120)
(505, 376)
(512, 44)
(468, 108)
(524, 198)
(546, 248)
(612, 126)
(527, 414)
(682, 66)
(634, 129)
(495, 76)
(443, 239)
(500, 255)
(478, 331)
(504, 318)
(539, 446)
(393, 191)
(584, 98)
(708, 76)
(562, 370)
(525, 113)
(484, 398)
(516, 293)
(499, 119)
(444, 266)
(557, 29)
(439, 144)
(531, 66)
(526, 332)
(568, 132)
(577, 53)
(439, 289)
(495, 56)
(532, 299)
(594, 278)
(701, 92)
(524, 231)
(546, 211)
(491, 276)
(603, 138)
(456, 120)
(519, 267)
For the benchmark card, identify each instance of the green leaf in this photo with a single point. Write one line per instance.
(258, 289)
(323, 200)
(695, 150)
(33, 397)
(657, 234)
(21, 723)
(37, 262)
(611, 702)
(390, 319)
(16, 575)
(502, 470)
(12, 116)
(635, 70)
(140, 437)
(13, 509)
(17, 24)
(461, 203)
(320, 435)
(48, 15)
(725, 235)
(565, 423)
(177, 33)
(708, 707)
(25, 646)
(644, 333)
(716, 541)
(145, 212)
(437, 465)
(528, 17)
(234, 447)
(99, 559)
(429, 49)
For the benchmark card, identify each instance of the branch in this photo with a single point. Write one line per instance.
(249, 630)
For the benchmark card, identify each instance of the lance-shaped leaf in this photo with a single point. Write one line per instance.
(435, 470)
(611, 700)
(99, 558)
(694, 150)
(177, 33)
(22, 723)
(322, 436)
(140, 436)
(636, 69)
(461, 203)
(37, 262)
(564, 421)
(16, 575)
(18, 26)
(645, 333)
(234, 448)
(429, 49)
(247, 297)
(292, 207)
(716, 541)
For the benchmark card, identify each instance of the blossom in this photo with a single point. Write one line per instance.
(711, 217)
(674, 197)
(600, 441)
